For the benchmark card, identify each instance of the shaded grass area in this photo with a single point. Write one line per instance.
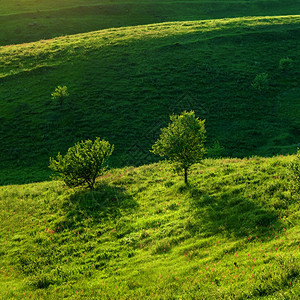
(124, 83)
(233, 233)
(27, 21)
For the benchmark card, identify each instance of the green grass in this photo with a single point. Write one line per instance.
(232, 234)
(125, 82)
(29, 20)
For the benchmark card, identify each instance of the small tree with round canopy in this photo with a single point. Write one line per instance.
(182, 142)
(83, 162)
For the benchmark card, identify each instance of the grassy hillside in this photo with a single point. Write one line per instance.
(125, 82)
(30, 20)
(233, 234)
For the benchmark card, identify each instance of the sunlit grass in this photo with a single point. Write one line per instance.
(233, 233)
(51, 53)
(30, 20)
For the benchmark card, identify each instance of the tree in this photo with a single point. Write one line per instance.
(261, 82)
(60, 93)
(83, 162)
(182, 142)
(286, 64)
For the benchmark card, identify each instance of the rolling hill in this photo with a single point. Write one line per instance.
(125, 82)
(31, 20)
(232, 234)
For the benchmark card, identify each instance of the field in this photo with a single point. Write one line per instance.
(124, 83)
(31, 20)
(233, 232)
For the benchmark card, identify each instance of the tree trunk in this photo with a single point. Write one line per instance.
(185, 176)
(90, 184)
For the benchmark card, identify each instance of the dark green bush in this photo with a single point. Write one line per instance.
(286, 64)
(261, 82)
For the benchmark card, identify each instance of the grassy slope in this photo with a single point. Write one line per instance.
(233, 234)
(124, 83)
(28, 20)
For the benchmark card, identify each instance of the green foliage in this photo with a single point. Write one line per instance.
(295, 170)
(261, 82)
(83, 162)
(182, 142)
(286, 64)
(60, 93)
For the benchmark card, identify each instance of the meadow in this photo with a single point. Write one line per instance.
(232, 234)
(124, 83)
(31, 20)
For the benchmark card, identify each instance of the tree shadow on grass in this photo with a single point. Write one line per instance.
(231, 214)
(106, 202)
